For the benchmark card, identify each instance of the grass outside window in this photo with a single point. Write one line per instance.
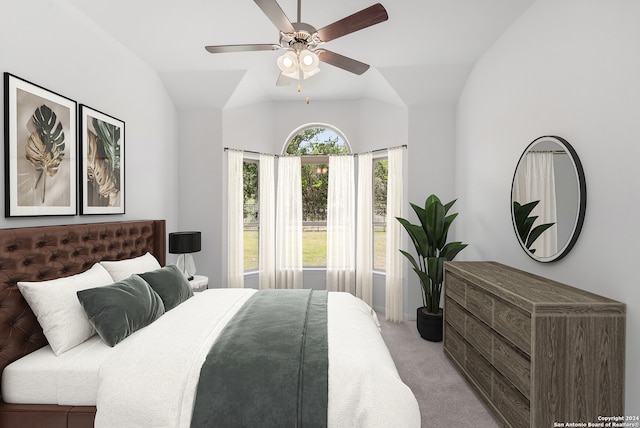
(314, 247)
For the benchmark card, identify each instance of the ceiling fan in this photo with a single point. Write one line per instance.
(304, 43)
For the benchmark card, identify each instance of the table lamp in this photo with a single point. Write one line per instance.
(185, 243)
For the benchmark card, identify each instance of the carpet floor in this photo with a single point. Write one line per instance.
(444, 397)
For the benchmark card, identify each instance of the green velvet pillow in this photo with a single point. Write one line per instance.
(119, 309)
(170, 284)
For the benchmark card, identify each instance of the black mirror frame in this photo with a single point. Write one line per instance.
(582, 206)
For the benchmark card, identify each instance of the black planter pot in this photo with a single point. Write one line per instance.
(429, 325)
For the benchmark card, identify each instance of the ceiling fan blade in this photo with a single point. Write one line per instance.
(274, 12)
(365, 18)
(242, 48)
(342, 61)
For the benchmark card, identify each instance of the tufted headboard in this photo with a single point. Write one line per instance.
(49, 252)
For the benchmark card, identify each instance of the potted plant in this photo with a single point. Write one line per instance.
(430, 241)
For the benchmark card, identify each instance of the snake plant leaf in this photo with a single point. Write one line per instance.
(451, 250)
(421, 213)
(524, 223)
(426, 289)
(521, 214)
(526, 227)
(435, 222)
(411, 259)
(447, 223)
(45, 146)
(417, 234)
(448, 206)
(536, 232)
(436, 275)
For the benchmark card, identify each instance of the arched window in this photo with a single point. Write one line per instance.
(314, 143)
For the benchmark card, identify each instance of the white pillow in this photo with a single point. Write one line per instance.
(55, 304)
(123, 269)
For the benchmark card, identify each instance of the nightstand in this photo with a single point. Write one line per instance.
(199, 283)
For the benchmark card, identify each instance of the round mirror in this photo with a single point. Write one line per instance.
(548, 198)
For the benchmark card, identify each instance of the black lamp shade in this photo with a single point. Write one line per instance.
(184, 242)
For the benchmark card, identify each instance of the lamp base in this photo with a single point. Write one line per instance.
(186, 264)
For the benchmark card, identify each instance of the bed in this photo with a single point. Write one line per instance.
(94, 389)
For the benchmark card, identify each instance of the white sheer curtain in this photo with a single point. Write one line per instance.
(235, 232)
(535, 181)
(394, 280)
(289, 224)
(364, 229)
(341, 225)
(267, 228)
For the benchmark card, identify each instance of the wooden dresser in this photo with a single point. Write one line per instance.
(537, 351)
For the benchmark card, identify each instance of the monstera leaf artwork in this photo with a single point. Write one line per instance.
(45, 147)
(40, 174)
(103, 160)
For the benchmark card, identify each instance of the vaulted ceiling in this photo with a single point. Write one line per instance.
(423, 53)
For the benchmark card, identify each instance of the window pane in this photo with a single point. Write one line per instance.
(250, 247)
(314, 245)
(380, 176)
(315, 182)
(250, 214)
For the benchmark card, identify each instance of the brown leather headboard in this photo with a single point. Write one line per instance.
(43, 253)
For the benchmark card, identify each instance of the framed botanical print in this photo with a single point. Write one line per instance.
(102, 163)
(40, 150)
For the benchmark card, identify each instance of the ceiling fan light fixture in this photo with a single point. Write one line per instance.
(307, 74)
(308, 61)
(288, 63)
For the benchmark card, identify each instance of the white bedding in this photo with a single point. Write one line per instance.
(68, 379)
(150, 378)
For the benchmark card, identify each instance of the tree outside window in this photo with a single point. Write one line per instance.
(251, 217)
(314, 145)
(380, 176)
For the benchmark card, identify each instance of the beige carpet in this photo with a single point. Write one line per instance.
(445, 398)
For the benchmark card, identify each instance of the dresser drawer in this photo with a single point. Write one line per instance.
(479, 303)
(454, 344)
(514, 366)
(455, 315)
(513, 406)
(454, 288)
(479, 370)
(478, 335)
(512, 324)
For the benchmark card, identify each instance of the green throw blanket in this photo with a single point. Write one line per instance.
(269, 367)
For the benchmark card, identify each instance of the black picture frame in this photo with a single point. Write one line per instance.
(40, 150)
(102, 163)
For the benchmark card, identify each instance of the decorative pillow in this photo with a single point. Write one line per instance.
(170, 284)
(122, 269)
(119, 309)
(56, 306)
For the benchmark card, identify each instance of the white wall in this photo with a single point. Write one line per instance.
(568, 68)
(431, 161)
(200, 200)
(50, 44)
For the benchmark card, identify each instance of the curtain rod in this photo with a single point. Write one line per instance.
(555, 152)
(404, 146)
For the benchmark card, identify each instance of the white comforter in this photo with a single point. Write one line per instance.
(152, 378)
